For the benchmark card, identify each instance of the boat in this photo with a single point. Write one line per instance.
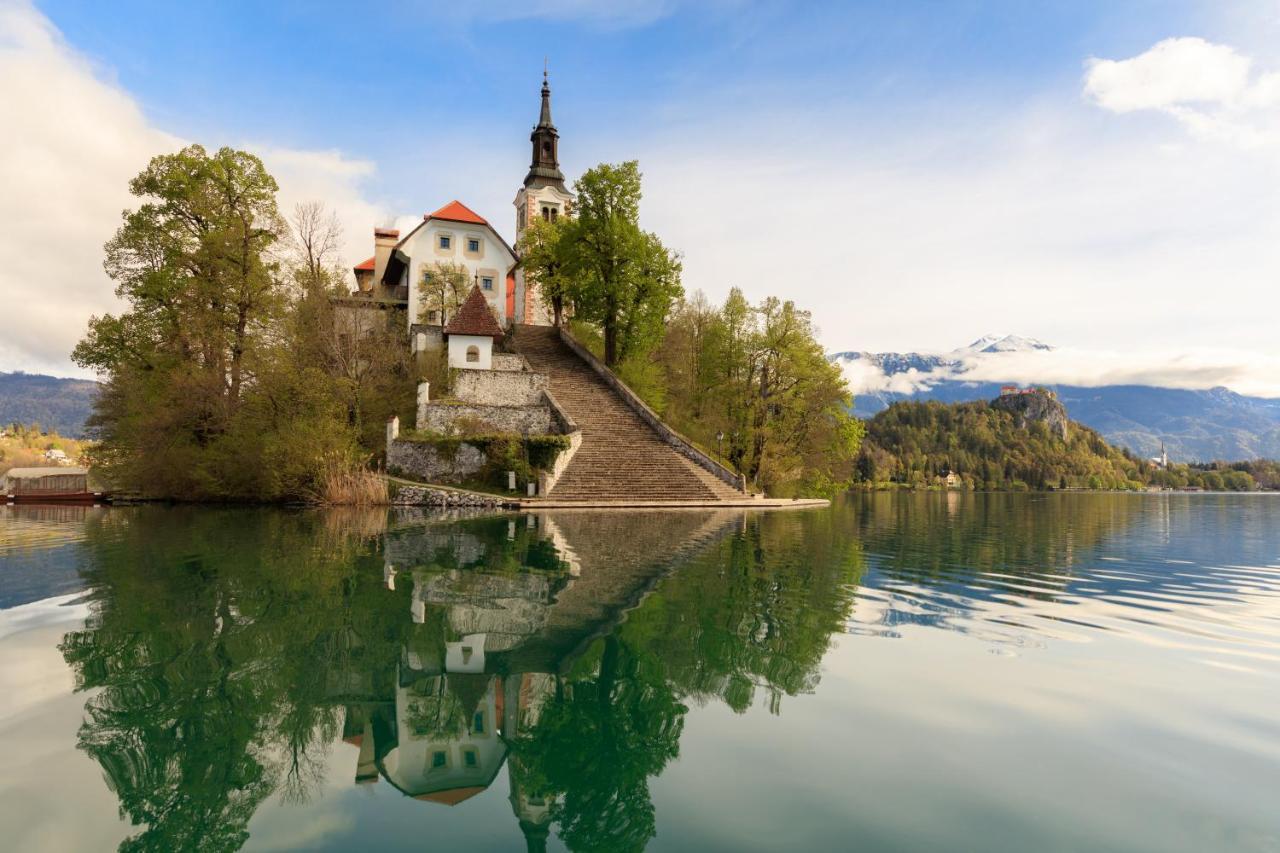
(48, 485)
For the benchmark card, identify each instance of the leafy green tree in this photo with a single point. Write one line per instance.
(753, 383)
(194, 264)
(229, 375)
(619, 276)
(543, 252)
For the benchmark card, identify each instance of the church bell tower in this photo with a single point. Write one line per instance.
(543, 195)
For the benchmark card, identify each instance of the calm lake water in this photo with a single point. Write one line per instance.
(900, 672)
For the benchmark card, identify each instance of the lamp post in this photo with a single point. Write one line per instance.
(719, 443)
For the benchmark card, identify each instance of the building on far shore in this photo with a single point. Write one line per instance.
(1161, 461)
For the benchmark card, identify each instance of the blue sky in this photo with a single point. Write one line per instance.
(372, 79)
(917, 174)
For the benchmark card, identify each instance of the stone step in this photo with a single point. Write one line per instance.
(621, 456)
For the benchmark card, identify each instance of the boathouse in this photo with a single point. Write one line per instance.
(45, 483)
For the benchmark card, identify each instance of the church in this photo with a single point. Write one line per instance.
(429, 271)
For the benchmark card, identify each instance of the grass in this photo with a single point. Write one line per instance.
(351, 487)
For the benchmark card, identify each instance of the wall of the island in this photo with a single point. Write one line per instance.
(429, 462)
(443, 418)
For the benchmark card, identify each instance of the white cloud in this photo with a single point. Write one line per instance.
(1198, 368)
(1245, 372)
(1174, 72)
(1210, 88)
(72, 139)
(1038, 223)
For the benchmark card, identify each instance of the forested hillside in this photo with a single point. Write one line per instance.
(996, 446)
(53, 403)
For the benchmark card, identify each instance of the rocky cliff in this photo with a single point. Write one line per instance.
(1035, 406)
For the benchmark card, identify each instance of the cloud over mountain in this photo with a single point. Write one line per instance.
(1008, 358)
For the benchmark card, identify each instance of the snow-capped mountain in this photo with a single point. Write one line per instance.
(1214, 423)
(1005, 343)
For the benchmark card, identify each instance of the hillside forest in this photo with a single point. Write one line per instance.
(917, 445)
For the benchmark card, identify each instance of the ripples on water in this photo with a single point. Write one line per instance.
(804, 680)
(1161, 570)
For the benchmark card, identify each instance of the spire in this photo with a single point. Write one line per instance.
(544, 167)
(544, 120)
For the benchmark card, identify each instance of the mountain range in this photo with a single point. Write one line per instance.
(1193, 425)
(54, 403)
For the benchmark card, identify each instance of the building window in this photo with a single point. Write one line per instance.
(486, 283)
(473, 353)
(473, 245)
(520, 219)
(444, 242)
(439, 759)
(477, 723)
(470, 758)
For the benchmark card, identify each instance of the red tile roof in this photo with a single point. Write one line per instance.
(365, 265)
(456, 211)
(475, 318)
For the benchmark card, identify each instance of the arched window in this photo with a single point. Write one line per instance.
(473, 353)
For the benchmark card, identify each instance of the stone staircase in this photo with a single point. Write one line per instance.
(621, 457)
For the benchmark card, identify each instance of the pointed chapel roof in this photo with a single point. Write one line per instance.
(475, 318)
(456, 211)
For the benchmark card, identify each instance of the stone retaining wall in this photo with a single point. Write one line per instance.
(425, 461)
(428, 496)
(566, 425)
(500, 387)
(441, 418)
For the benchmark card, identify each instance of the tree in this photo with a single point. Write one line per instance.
(220, 377)
(194, 264)
(755, 381)
(618, 276)
(542, 257)
(443, 289)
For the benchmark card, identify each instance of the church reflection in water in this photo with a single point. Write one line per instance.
(497, 624)
(227, 649)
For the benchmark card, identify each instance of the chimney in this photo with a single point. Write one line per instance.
(384, 240)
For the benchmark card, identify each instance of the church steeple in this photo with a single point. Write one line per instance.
(544, 167)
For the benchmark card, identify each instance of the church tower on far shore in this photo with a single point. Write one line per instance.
(543, 195)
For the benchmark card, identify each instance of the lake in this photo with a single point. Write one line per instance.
(898, 672)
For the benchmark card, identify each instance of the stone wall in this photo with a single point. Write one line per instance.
(443, 417)
(426, 338)
(425, 461)
(428, 496)
(509, 361)
(565, 425)
(500, 387)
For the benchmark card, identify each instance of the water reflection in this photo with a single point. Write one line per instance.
(236, 657)
(228, 649)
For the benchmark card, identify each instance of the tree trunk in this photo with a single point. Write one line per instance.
(610, 344)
